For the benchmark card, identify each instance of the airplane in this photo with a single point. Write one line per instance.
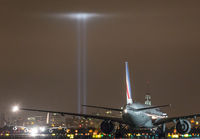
(134, 115)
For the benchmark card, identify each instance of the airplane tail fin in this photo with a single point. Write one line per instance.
(128, 86)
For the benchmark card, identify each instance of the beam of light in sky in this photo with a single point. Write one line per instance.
(84, 34)
(82, 16)
(82, 57)
(81, 19)
(79, 67)
(81, 61)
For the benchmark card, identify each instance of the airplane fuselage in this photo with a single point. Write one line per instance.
(144, 118)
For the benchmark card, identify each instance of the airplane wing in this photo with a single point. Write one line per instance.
(171, 119)
(100, 107)
(114, 119)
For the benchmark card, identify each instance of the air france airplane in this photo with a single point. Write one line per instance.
(134, 115)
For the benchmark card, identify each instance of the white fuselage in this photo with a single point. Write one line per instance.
(142, 118)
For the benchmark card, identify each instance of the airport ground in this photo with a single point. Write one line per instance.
(89, 133)
(78, 137)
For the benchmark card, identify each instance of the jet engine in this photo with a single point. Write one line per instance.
(183, 126)
(50, 130)
(107, 127)
(26, 130)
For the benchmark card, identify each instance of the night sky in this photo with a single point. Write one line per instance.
(160, 40)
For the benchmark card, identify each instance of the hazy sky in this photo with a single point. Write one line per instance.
(160, 40)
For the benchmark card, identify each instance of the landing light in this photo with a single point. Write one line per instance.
(42, 129)
(15, 108)
(34, 131)
(125, 110)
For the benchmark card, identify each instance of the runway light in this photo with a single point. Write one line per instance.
(175, 136)
(169, 135)
(42, 129)
(15, 108)
(34, 131)
(192, 121)
(138, 135)
(68, 130)
(187, 135)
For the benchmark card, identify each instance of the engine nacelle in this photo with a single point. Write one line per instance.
(26, 130)
(183, 126)
(107, 127)
(50, 130)
(14, 128)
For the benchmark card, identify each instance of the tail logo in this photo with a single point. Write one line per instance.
(128, 86)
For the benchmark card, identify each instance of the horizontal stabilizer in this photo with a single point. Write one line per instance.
(151, 107)
(105, 108)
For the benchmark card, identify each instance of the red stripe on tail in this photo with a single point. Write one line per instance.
(127, 91)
